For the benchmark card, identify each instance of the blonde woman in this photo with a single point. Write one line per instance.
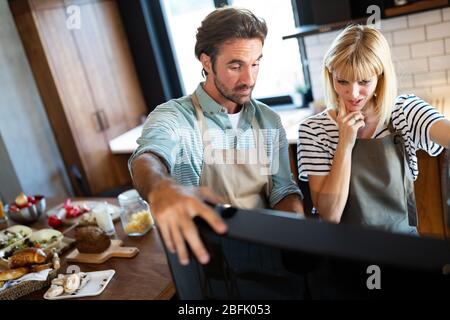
(359, 155)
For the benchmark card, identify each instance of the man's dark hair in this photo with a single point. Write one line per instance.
(224, 24)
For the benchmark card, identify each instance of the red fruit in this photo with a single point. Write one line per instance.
(31, 200)
(13, 208)
(54, 221)
(26, 205)
(67, 204)
(73, 212)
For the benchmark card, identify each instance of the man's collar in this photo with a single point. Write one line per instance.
(210, 106)
(206, 102)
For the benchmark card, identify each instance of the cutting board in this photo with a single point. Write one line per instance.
(114, 251)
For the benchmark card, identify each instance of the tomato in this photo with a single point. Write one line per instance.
(54, 221)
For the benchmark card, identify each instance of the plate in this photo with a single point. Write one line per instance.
(61, 212)
(95, 286)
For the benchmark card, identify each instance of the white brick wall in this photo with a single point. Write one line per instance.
(394, 24)
(400, 53)
(405, 81)
(440, 62)
(420, 45)
(446, 14)
(430, 79)
(411, 66)
(429, 48)
(424, 18)
(437, 31)
(409, 35)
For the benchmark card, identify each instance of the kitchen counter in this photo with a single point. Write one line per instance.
(290, 117)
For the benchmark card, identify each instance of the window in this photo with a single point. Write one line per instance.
(182, 20)
(280, 70)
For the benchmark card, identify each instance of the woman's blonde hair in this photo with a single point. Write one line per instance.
(358, 53)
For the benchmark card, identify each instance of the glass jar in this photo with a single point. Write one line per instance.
(134, 213)
(104, 219)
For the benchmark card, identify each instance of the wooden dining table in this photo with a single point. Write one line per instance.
(146, 276)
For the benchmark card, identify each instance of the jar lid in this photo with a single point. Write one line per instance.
(129, 196)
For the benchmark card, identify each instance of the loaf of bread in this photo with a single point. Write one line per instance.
(13, 273)
(27, 257)
(91, 239)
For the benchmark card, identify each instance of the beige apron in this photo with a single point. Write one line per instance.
(237, 175)
(381, 192)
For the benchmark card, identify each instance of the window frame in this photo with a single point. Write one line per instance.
(167, 64)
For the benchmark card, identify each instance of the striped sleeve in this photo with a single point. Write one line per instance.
(159, 135)
(314, 155)
(414, 117)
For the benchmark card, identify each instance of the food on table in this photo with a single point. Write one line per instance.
(72, 283)
(44, 239)
(40, 267)
(27, 257)
(12, 235)
(67, 284)
(74, 211)
(88, 219)
(12, 274)
(91, 239)
(69, 211)
(22, 200)
(54, 291)
(2, 210)
(54, 222)
(29, 261)
(139, 222)
(56, 261)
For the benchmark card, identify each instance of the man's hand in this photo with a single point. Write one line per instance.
(174, 208)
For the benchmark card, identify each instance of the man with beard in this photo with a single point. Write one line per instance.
(218, 144)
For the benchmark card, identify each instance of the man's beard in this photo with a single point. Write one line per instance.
(232, 95)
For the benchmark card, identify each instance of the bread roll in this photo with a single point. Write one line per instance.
(27, 257)
(90, 239)
(40, 267)
(12, 274)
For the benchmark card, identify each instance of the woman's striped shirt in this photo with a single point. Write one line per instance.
(319, 135)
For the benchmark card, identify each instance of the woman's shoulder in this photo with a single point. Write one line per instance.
(319, 120)
(405, 100)
(407, 105)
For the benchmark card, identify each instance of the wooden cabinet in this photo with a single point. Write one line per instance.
(87, 81)
(432, 191)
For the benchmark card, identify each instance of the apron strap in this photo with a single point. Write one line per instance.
(257, 135)
(409, 191)
(206, 139)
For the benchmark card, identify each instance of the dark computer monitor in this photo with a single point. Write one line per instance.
(268, 254)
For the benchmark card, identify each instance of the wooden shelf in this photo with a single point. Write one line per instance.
(314, 29)
(414, 7)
